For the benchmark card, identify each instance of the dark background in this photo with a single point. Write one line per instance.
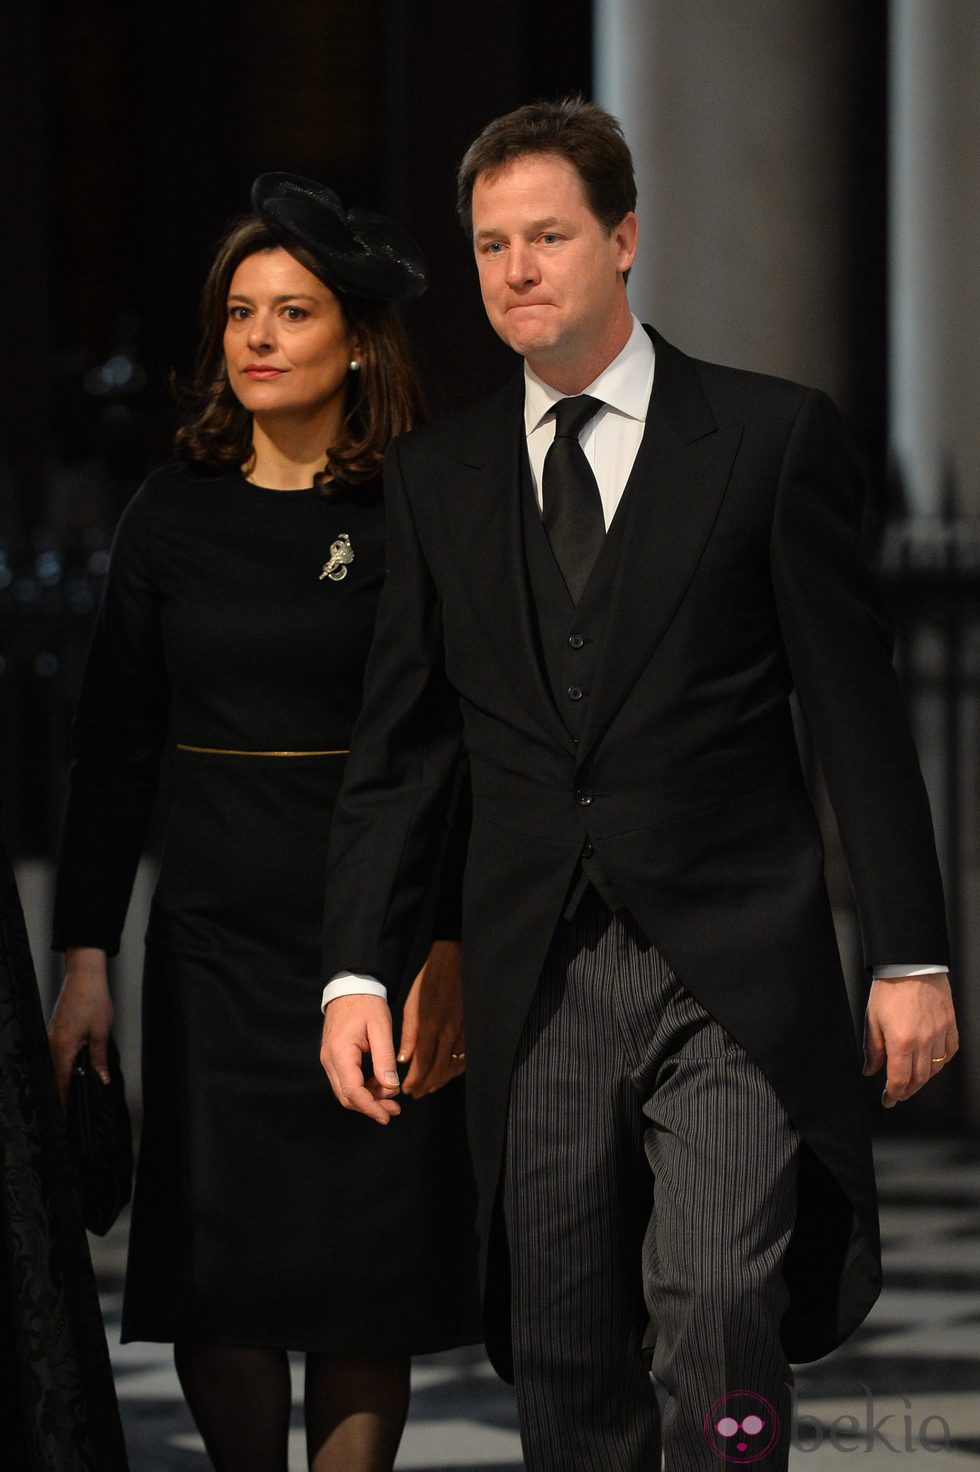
(132, 134)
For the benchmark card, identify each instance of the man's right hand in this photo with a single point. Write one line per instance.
(352, 1027)
(82, 1014)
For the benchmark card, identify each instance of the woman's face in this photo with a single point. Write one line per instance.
(287, 346)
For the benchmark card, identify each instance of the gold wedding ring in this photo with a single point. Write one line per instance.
(939, 1060)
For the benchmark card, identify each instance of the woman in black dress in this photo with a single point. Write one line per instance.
(232, 635)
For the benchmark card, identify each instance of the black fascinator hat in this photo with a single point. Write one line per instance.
(357, 252)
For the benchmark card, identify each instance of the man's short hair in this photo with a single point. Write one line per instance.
(585, 134)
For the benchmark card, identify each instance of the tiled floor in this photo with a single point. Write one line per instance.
(907, 1385)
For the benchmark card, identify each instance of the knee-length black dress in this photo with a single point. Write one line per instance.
(263, 1213)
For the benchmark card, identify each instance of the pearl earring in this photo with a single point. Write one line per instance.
(355, 366)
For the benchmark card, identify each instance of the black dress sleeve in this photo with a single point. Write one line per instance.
(118, 736)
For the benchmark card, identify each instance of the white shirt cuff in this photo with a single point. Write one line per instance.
(888, 973)
(350, 984)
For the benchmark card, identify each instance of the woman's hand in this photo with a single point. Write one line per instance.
(433, 1037)
(82, 1014)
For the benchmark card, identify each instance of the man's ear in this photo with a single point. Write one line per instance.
(626, 235)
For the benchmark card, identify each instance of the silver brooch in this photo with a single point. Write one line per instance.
(341, 555)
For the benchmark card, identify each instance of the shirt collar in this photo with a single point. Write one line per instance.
(625, 385)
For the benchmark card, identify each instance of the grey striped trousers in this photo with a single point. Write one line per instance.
(650, 1170)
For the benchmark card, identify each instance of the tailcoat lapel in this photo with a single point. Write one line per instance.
(492, 528)
(668, 509)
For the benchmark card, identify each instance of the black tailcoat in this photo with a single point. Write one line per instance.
(738, 577)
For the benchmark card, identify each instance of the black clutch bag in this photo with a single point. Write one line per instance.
(100, 1140)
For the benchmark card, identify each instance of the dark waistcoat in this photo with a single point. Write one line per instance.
(569, 642)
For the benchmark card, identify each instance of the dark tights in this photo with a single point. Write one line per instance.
(240, 1398)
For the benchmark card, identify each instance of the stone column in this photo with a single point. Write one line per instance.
(935, 250)
(742, 122)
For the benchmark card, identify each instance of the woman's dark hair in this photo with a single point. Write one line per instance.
(581, 132)
(383, 397)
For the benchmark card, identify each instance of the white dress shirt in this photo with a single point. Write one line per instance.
(610, 441)
(612, 438)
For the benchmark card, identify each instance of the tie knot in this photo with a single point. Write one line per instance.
(572, 415)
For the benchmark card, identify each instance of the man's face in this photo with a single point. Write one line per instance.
(551, 278)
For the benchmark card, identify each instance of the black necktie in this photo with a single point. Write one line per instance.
(570, 505)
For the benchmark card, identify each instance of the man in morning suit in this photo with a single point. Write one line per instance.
(601, 608)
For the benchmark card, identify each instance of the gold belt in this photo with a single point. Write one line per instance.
(223, 751)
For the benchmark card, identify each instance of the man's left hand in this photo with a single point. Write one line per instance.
(910, 1023)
